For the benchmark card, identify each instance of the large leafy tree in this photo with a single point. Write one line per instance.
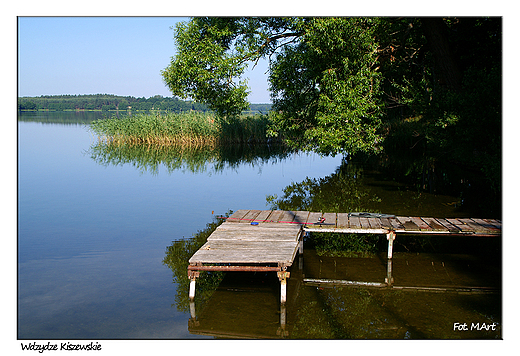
(351, 84)
(323, 75)
(325, 88)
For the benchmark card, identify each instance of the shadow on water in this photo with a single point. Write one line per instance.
(339, 288)
(246, 305)
(420, 187)
(430, 292)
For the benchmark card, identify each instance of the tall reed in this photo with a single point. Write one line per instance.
(192, 128)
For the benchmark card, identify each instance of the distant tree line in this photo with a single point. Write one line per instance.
(106, 102)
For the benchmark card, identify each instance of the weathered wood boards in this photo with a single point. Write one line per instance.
(265, 243)
(347, 223)
(272, 236)
(269, 239)
(269, 242)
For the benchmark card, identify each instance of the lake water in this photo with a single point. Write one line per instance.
(95, 226)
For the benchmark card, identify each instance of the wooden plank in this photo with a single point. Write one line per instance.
(463, 227)
(375, 223)
(287, 217)
(492, 228)
(262, 217)
(342, 220)
(264, 226)
(386, 224)
(266, 248)
(313, 218)
(475, 226)
(330, 219)
(494, 222)
(301, 217)
(434, 225)
(237, 215)
(251, 236)
(258, 245)
(364, 223)
(396, 224)
(259, 226)
(250, 252)
(275, 216)
(263, 231)
(451, 228)
(250, 216)
(407, 223)
(422, 225)
(354, 222)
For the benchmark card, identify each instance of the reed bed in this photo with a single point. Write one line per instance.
(186, 129)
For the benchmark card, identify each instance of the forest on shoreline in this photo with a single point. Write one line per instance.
(109, 102)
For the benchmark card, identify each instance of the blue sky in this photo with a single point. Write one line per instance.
(97, 55)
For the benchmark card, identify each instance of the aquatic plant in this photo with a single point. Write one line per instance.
(191, 128)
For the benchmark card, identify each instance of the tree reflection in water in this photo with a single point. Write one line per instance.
(334, 312)
(177, 256)
(353, 312)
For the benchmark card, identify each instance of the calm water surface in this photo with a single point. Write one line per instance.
(93, 230)
(91, 238)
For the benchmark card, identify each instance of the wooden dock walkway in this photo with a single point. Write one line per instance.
(268, 240)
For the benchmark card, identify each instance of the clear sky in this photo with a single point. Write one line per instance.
(98, 55)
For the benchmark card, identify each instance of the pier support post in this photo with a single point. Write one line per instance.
(389, 280)
(193, 314)
(301, 236)
(283, 317)
(193, 322)
(390, 237)
(282, 276)
(192, 275)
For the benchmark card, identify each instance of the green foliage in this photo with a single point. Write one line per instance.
(345, 245)
(357, 85)
(323, 81)
(192, 128)
(203, 69)
(473, 116)
(158, 129)
(108, 102)
(459, 122)
(324, 89)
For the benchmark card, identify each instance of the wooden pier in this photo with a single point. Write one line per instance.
(265, 240)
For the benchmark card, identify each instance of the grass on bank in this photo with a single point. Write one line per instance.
(192, 128)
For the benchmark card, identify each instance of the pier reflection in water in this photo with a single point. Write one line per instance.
(413, 296)
(125, 205)
(338, 297)
(245, 305)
